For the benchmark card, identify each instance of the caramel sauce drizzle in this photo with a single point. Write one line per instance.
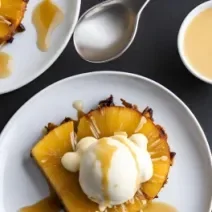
(49, 204)
(5, 65)
(104, 154)
(46, 17)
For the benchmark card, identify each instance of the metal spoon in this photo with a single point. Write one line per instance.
(106, 31)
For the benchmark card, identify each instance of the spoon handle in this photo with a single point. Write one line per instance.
(137, 5)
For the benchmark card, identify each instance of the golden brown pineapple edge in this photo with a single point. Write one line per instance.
(11, 15)
(66, 184)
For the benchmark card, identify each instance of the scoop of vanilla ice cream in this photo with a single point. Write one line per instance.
(71, 160)
(120, 182)
(84, 143)
(111, 169)
(139, 139)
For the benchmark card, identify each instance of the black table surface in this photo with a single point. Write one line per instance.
(153, 54)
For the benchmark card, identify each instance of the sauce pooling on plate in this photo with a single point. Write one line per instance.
(48, 204)
(5, 65)
(198, 43)
(159, 207)
(46, 17)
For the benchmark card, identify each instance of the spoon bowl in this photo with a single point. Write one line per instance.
(107, 30)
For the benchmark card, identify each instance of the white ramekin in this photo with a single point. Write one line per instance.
(181, 37)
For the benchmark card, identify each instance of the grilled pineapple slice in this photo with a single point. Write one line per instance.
(47, 154)
(99, 123)
(11, 15)
(105, 121)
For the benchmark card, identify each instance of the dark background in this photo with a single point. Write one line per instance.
(153, 54)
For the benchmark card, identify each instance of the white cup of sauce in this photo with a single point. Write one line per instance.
(198, 62)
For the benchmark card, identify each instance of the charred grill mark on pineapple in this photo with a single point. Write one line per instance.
(106, 102)
(67, 119)
(172, 157)
(50, 127)
(162, 132)
(129, 105)
(148, 113)
(10, 40)
(20, 28)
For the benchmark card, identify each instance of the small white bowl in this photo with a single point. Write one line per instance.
(187, 21)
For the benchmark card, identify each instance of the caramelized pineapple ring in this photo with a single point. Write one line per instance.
(11, 15)
(48, 153)
(102, 122)
(105, 121)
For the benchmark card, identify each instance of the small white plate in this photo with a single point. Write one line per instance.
(28, 61)
(189, 187)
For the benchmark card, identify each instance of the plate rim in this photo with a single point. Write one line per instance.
(5, 129)
(51, 60)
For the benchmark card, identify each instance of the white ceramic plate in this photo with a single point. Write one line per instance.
(28, 61)
(21, 183)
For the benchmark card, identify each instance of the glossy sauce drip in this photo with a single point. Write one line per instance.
(5, 65)
(159, 207)
(123, 141)
(104, 154)
(49, 204)
(78, 105)
(46, 17)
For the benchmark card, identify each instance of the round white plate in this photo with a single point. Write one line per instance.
(28, 61)
(189, 187)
